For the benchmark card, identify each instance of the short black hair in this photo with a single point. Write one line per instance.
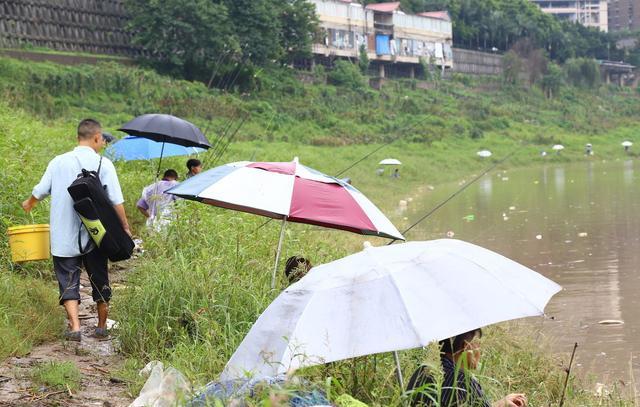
(193, 162)
(170, 174)
(293, 266)
(88, 128)
(456, 344)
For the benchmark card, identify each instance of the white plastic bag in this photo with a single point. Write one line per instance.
(163, 387)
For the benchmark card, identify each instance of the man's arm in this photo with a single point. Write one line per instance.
(123, 217)
(143, 211)
(28, 204)
(40, 191)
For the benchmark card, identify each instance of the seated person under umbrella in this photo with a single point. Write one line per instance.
(458, 356)
(154, 204)
(296, 268)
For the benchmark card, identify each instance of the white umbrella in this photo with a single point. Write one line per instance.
(558, 147)
(484, 153)
(386, 299)
(627, 144)
(390, 161)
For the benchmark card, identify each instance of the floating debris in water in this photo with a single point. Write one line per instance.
(469, 218)
(611, 322)
(450, 234)
(409, 199)
(539, 237)
(536, 182)
(405, 218)
(402, 203)
(430, 187)
(512, 208)
(505, 178)
(582, 234)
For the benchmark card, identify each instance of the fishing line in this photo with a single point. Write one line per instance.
(230, 139)
(456, 193)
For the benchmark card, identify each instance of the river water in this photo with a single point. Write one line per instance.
(577, 224)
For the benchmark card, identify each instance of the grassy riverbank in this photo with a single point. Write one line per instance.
(194, 293)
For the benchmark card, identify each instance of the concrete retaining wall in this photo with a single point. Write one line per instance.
(476, 63)
(94, 26)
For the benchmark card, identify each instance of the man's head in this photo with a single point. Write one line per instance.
(463, 346)
(194, 165)
(90, 134)
(170, 175)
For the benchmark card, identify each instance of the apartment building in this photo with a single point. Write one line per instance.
(624, 15)
(389, 35)
(590, 13)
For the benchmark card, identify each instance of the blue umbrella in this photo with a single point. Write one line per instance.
(139, 148)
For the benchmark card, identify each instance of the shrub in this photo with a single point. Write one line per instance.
(347, 74)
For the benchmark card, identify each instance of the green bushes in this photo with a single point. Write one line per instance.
(347, 74)
(582, 72)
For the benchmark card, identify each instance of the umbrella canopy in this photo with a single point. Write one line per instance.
(291, 191)
(484, 153)
(627, 144)
(166, 128)
(390, 161)
(139, 148)
(385, 299)
(558, 147)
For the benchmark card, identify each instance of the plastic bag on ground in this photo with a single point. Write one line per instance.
(164, 387)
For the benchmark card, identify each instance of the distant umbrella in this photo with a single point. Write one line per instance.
(627, 144)
(558, 147)
(390, 161)
(484, 153)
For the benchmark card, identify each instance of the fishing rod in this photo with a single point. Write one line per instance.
(218, 64)
(456, 193)
(231, 137)
(566, 380)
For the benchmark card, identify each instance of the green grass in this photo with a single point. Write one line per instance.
(193, 295)
(56, 376)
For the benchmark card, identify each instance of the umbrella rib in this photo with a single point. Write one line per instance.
(404, 305)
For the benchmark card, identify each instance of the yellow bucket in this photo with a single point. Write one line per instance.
(29, 242)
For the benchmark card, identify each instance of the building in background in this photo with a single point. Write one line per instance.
(590, 13)
(624, 15)
(394, 40)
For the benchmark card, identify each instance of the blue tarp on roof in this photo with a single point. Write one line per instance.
(382, 44)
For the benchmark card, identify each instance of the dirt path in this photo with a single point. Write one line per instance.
(97, 361)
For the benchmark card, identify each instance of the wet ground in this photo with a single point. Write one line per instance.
(97, 361)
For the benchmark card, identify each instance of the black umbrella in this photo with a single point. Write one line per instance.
(165, 128)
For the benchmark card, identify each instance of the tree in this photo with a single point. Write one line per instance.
(552, 80)
(363, 59)
(511, 68)
(183, 38)
(299, 28)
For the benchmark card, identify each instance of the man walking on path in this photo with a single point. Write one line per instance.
(71, 246)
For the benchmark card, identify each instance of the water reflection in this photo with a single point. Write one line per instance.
(582, 234)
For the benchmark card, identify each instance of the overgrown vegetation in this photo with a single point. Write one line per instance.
(57, 375)
(195, 292)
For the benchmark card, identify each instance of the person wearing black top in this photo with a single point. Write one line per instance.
(459, 355)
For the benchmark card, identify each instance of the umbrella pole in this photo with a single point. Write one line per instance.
(396, 358)
(160, 162)
(275, 266)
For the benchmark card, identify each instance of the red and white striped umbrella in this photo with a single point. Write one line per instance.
(291, 192)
